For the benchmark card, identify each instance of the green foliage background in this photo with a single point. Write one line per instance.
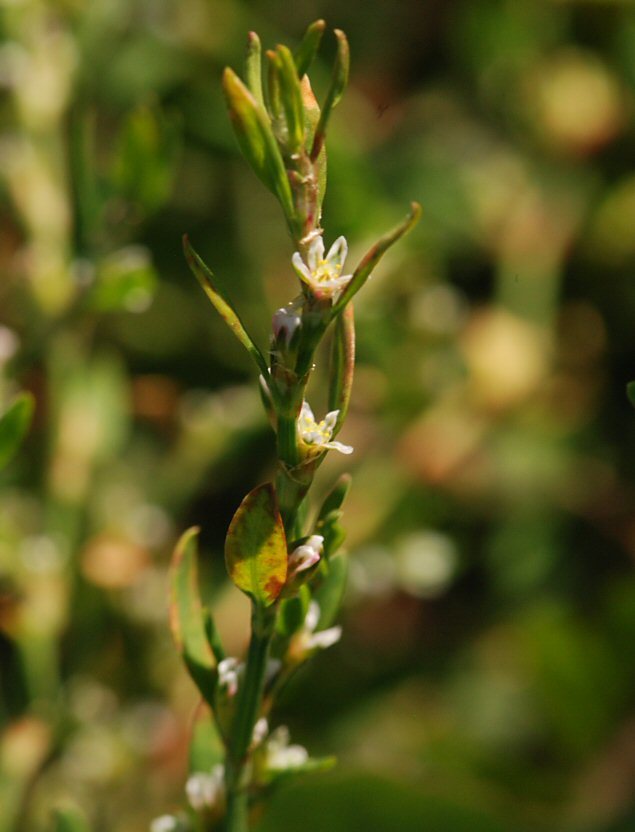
(486, 679)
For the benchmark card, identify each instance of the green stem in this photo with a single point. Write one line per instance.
(247, 712)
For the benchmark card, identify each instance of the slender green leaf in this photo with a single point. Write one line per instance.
(339, 80)
(14, 424)
(273, 86)
(256, 546)
(206, 747)
(307, 50)
(330, 593)
(311, 118)
(336, 497)
(253, 67)
(342, 365)
(186, 616)
(374, 255)
(219, 299)
(630, 391)
(257, 142)
(291, 96)
(70, 820)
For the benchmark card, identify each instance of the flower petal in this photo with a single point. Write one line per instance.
(315, 253)
(337, 252)
(338, 446)
(302, 270)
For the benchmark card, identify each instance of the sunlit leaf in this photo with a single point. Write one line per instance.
(291, 98)
(342, 365)
(14, 424)
(219, 299)
(374, 255)
(253, 67)
(126, 280)
(256, 547)
(257, 142)
(186, 615)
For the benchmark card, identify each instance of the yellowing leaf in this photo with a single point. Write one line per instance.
(256, 546)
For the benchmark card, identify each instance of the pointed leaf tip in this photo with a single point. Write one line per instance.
(256, 546)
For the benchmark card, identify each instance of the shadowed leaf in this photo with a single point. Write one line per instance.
(256, 546)
(330, 593)
(630, 390)
(14, 424)
(339, 80)
(70, 820)
(186, 615)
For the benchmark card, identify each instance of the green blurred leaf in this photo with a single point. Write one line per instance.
(126, 280)
(328, 522)
(374, 255)
(630, 392)
(257, 142)
(307, 50)
(311, 766)
(330, 592)
(256, 546)
(219, 299)
(339, 80)
(293, 613)
(186, 616)
(342, 365)
(206, 746)
(14, 424)
(70, 820)
(145, 158)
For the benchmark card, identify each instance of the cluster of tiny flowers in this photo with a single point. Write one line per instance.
(318, 435)
(323, 275)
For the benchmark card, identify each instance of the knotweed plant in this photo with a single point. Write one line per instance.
(286, 564)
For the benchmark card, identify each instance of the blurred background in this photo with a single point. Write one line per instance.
(486, 678)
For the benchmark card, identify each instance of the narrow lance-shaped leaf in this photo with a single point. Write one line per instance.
(14, 424)
(291, 97)
(273, 86)
(342, 365)
(374, 255)
(257, 142)
(307, 50)
(328, 523)
(256, 546)
(339, 81)
(630, 390)
(186, 616)
(253, 67)
(311, 119)
(221, 303)
(330, 593)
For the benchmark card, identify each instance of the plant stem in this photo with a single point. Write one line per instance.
(247, 711)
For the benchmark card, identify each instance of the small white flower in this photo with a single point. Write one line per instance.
(229, 671)
(323, 274)
(205, 791)
(306, 555)
(261, 729)
(318, 434)
(165, 823)
(282, 756)
(286, 321)
(322, 639)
